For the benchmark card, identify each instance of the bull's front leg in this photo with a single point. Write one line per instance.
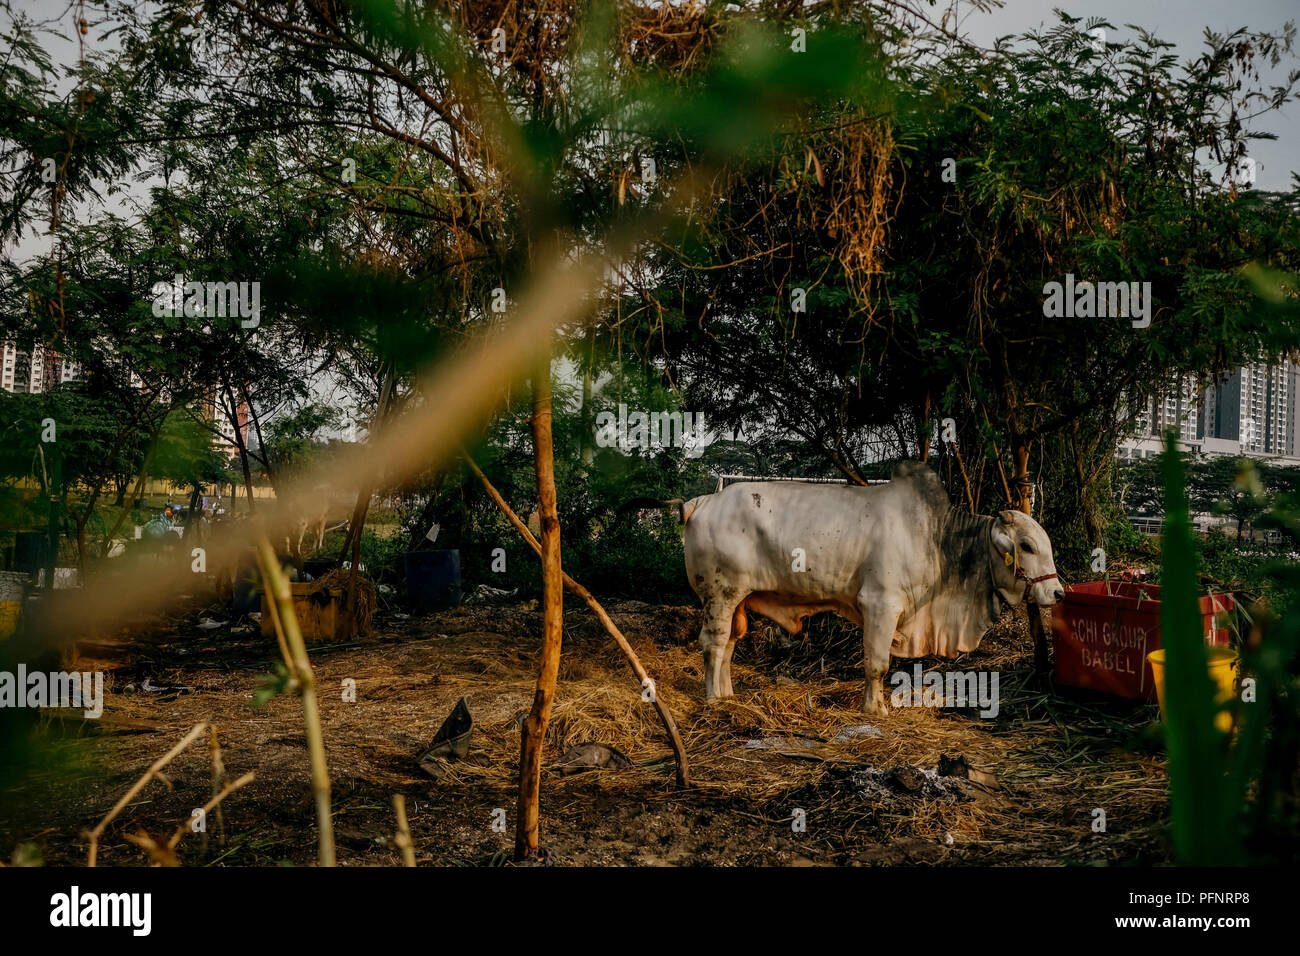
(880, 613)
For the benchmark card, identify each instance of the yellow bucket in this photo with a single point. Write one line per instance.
(9, 614)
(1223, 665)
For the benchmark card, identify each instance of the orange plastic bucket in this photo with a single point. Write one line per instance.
(1222, 664)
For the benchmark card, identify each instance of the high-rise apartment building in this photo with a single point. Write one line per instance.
(34, 370)
(1251, 412)
(1256, 408)
(1179, 408)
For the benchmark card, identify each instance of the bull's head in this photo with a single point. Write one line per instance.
(1022, 560)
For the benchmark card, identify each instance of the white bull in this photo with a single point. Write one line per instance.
(918, 575)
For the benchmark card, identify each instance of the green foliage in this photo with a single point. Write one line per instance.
(1204, 807)
(1249, 491)
(819, 171)
(186, 454)
(381, 554)
(1120, 538)
(1062, 165)
(1231, 797)
(271, 685)
(295, 439)
(612, 552)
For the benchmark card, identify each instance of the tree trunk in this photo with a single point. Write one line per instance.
(925, 429)
(420, 528)
(81, 544)
(1024, 495)
(248, 475)
(231, 408)
(533, 733)
(190, 526)
(588, 452)
(261, 442)
(351, 549)
(137, 491)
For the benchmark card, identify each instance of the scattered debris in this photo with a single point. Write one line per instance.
(450, 742)
(785, 744)
(855, 732)
(485, 594)
(620, 817)
(805, 747)
(903, 850)
(592, 756)
(151, 688)
(904, 783)
(958, 767)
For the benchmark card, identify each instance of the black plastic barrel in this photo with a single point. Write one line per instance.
(247, 589)
(433, 579)
(319, 567)
(31, 552)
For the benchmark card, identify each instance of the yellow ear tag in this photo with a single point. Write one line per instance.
(1008, 559)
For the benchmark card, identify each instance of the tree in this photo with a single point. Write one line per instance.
(988, 175)
(1231, 487)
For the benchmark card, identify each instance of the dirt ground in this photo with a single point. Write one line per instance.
(778, 776)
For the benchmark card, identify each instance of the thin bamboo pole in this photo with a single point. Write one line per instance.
(127, 797)
(403, 837)
(642, 675)
(218, 775)
(214, 803)
(278, 585)
(273, 608)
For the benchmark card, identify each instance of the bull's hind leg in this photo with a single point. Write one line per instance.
(716, 643)
(880, 614)
(739, 627)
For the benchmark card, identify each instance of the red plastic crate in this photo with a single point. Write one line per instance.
(1103, 634)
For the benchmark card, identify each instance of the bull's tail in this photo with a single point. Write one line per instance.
(677, 504)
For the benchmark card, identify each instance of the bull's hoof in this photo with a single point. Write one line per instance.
(875, 708)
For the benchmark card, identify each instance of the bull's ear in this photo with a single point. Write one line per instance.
(1008, 517)
(1002, 541)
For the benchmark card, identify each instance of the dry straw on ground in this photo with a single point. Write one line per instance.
(1055, 761)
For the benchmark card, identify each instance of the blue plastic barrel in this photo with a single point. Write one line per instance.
(433, 579)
